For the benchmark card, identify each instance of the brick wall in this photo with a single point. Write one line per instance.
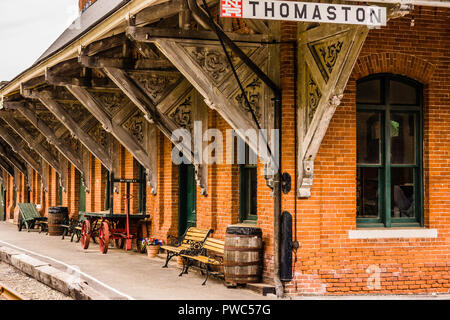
(330, 263)
(84, 4)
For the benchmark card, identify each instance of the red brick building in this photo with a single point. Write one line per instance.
(365, 136)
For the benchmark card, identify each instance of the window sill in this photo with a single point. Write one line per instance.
(382, 233)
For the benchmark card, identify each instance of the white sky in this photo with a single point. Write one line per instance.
(28, 28)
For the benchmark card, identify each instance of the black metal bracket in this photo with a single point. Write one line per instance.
(286, 184)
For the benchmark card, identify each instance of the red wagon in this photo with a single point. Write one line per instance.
(122, 228)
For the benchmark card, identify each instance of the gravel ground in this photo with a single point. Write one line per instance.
(26, 286)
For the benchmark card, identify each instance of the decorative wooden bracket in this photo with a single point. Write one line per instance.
(52, 138)
(12, 160)
(327, 54)
(205, 66)
(6, 166)
(45, 97)
(64, 172)
(18, 148)
(29, 178)
(22, 132)
(148, 108)
(113, 125)
(44, 176)
(16, 181)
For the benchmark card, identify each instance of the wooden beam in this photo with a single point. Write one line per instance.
(22, 132)
(6, 166)
(12, 105)
(151, 34)
(13, 159)
(64, 117)
(58, 80)
(144, 103)
(157, 12)
(105, 44)
(17, 147)
(51, 136)
(100, 62)
(258, 26)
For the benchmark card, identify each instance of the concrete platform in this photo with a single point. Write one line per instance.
(118, 274)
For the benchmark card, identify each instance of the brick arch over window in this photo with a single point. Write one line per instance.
(396, 63)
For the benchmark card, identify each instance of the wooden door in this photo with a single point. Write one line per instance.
(187, 210)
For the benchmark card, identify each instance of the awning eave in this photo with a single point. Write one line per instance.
(113, 24)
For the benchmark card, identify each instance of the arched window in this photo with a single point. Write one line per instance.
(389, 151)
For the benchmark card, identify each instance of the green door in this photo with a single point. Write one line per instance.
(2, 204)
(187, 214)
(82, 199)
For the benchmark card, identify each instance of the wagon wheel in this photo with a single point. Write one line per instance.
(119, 243)
(85, 234)
(103, 237)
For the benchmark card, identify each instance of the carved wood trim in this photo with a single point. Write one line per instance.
(331, 52)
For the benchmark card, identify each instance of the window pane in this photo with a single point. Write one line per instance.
(369, 92)
(402, 93)
(368, 137)
(402, 192)
(367, 193)
(403, 138)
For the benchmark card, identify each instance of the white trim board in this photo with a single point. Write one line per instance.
(392, 233)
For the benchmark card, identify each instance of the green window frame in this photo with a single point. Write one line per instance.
(248, 189)
(389, 170)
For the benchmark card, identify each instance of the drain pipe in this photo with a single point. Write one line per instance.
(203, 19)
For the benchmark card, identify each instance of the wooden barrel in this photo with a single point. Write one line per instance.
(56, 216)
(243, 254)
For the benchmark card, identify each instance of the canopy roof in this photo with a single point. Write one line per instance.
(100, 20)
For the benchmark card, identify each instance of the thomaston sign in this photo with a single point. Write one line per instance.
(303, 11)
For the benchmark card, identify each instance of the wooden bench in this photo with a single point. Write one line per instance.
(193, 239)
(69, 226)
(210, 255)
(75, 228)
(29, 216)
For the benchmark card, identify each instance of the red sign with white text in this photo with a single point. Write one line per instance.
(231, 8)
